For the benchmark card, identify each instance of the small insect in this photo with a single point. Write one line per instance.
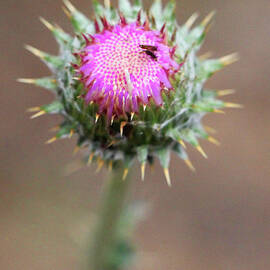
(153, 56)
(149, 50)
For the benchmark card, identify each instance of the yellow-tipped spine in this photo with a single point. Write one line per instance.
(199, 148)
(167, 176)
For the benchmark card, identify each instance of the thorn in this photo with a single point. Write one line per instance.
(139, 18)
(38, 114)
(143, 171)
(97, 117)
(90, 159)
(167, 175)
(33, 109)
(191, 20)
(199, 148)
(110, 166)
(87, 41)
(233, 105)
(34, 51)
(47, 24)
(110, 144)
(210, 129)
(208, 18)
(132, 115)
(69, 6)
(54, 129)
(100, 165)
(163, 28)
(225, 92)
(30, 81)
(229, 59)
(144, 107)
(190, 165)
(123, 19)
(182, 143)
(76, 150)
(122, 127)
(71, 133)
(205, 56)
(96, 26)
(53, 139)
(67, 12)
(125, 174)
(174, 35)
(213, 140)
(112, 119)
(218, 111)
(146, 24)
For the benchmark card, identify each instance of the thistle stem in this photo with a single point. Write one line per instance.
(107, 224)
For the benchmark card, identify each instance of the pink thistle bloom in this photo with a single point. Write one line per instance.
(125, 66)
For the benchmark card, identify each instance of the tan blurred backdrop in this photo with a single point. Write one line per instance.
(215, 219)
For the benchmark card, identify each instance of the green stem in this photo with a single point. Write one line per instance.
(110, 213)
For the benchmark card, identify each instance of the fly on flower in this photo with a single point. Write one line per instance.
(149, 50)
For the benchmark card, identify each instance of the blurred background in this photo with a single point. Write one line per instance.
(217, 218)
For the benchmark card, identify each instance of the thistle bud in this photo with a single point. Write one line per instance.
(130, 84)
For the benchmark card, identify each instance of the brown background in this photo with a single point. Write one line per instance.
(217, 218)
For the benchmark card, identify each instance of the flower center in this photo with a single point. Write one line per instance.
(120, 57)
(125, 66)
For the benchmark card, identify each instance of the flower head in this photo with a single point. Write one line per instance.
(125, 66)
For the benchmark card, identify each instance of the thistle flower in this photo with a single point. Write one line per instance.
(126, 65)
(130, 84)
